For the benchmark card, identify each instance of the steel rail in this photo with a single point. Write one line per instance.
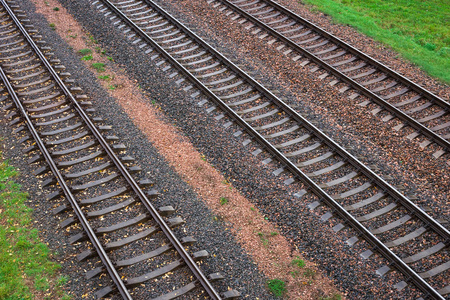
(417, 88)
(395, 261)
(67, 192)
(355, 85)
(442, 231)
(59, 177)
(135, 187)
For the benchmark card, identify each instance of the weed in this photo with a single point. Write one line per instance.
(223, 200)
(252, 208)
(277, 287)
(112, 87)
(87, 57)
(309, 273)
(294, 273)
(85, 51)
(93, 41)
(105, 77)
(110, 58)
(263, 238)
(52, 26)
(74, 36)
(100, 67)
(298, 262)
(46, 3)
(56, 8)
(153, 102)
(333, 297)
(274, 233)
(203, 157)
(98, 49)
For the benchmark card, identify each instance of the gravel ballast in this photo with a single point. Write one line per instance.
(254, 180)
(227, 256)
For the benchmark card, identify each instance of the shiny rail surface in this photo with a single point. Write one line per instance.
(426, 113)
(354, 192)
(115, 214)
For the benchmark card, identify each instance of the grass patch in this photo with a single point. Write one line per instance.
(85, 51)
(277, 287)
(87, 57)
(309, 273)
(298, 262)
(105, 77)
(223, 200)
(25, 267)
(92, 39)
(332, 297)
(56, 8)
(100, 67)
(263, 238)
(417, 29)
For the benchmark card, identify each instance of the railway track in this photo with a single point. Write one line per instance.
(360, 74)
(106, 206)
(355, 194)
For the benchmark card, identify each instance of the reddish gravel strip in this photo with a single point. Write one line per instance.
(341, 118)
(269, 249)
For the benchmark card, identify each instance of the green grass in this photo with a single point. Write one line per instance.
(277, 287)
(85, 51)
(105, 77)
(100, 67)
(309, 273)
(418, 30)
(223, 200)
(25, 267)
(333, 297)
(298, 262)
(87, 57)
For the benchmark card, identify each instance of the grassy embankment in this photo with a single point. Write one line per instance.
(26, 272)
(418, 30)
